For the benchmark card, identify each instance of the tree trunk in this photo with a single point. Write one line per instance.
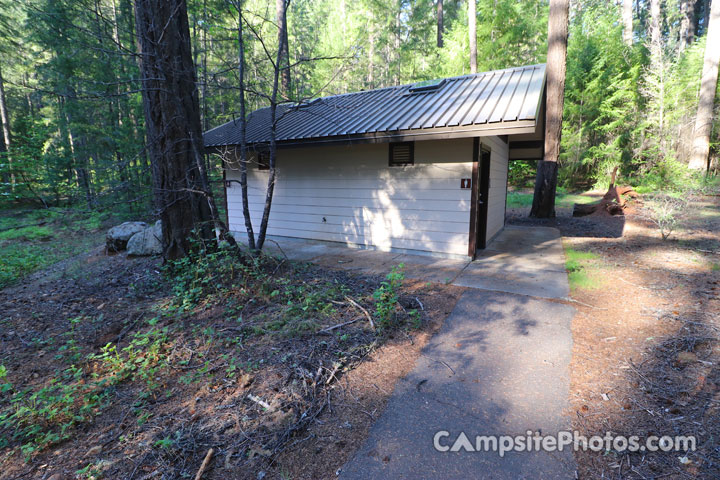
(707, 8)
(439, 23)
(546, 180)
(627, 17)
(708, 86)
(172, 116)
(283, 46)
(687, 24)
(6, 138)
(243, 131)
(273, 146)
(655, 32)
(472, 32)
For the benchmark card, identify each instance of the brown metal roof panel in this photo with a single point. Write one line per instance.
(450, 105)
(481, 101)
(471, 98)
(493, 98)
(393, 100)
(351, 118)
(503, 100)
(501, 96)
(420, 108)
(438, 104)
(402, 110)
(518, 97)
(531, 105)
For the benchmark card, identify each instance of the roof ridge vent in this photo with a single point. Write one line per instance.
(427, 85)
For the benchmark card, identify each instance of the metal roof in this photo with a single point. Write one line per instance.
(492, 103)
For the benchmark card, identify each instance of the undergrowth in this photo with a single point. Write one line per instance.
(580, 266)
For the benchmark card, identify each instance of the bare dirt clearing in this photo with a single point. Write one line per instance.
(108, 373)
(646, 350)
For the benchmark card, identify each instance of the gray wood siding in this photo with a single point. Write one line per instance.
(498, 184)
(349, 194)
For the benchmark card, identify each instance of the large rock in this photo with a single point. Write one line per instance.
(147, 242)
(117, 237)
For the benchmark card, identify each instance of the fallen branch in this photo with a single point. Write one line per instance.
(332, 374)
(357, 305)
(334, 327)
(205, 463)
(259, 401)
(568, 299)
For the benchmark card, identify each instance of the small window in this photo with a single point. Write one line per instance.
(402, 154)
(263, 161)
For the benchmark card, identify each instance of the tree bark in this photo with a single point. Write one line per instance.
(439, 23)
(243, 131)
(655, 22)
(627, 17)
(283, 46)
(6, 138)
(546, 180)
(172, 116)
(273, 147)
(472, 32)
(687, 24)
(708, 86)
(707, 8)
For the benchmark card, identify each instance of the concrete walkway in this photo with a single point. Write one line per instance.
(498, 366)
(524, 260)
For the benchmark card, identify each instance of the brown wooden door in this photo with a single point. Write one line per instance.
(483, 186)
(479, 198)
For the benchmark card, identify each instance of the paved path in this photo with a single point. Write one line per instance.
(498, 366)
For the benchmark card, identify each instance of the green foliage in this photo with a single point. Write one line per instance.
(34, 239)
(579, 266)
(386, 298)
(39, 417)
(665, 211)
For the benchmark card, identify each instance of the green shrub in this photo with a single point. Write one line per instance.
(30, 234)
(386, 297)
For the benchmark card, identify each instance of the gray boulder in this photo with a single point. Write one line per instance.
(147, 242)
(118, 236)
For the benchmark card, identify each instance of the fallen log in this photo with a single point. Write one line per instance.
(614, 202)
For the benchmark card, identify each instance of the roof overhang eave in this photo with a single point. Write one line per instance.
(466, 131)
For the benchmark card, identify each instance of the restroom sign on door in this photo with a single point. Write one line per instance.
(464, 183)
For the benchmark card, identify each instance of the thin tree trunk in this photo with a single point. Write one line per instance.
(371, 55)
(708, 86)
(627, 16)
(546, 180)
(283, 46)
(7, 137)
(472, 32)
(273, 144)
(655, 31)
(707, 8)
(243, 131)
(687, 24)
(172, 116)
(439, 23)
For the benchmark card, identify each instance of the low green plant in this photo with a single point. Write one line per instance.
(577, 264)
(665, 211)
(37, 418)
(29, 234)
(386, 297)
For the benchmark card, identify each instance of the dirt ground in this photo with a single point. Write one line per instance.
(645, 359)
(264, 402)
(646, 350)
